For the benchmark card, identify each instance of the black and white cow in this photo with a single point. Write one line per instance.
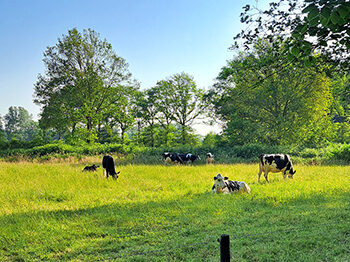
(223, 185)
(90, 168)
(210, 158)
(109, 168)
(275, 163)
(171, 158)
(188, 158)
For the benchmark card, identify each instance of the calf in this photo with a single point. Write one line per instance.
(90, 168)
(223, 185)
(109, 168)
(210, 158)
(275, 163)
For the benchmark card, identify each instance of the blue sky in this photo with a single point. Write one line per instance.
(157, 38)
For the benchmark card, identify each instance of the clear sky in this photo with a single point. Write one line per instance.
(158, 38)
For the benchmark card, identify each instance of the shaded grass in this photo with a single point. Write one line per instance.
(167, 213)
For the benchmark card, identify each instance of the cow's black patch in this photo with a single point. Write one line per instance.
(108, 164)
(281, 161)
(232, 185)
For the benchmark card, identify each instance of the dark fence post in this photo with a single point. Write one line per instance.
(224, 248)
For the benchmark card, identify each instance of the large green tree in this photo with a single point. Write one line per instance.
(19, 124)
(82, 75)
(184, 100)
(271, 105)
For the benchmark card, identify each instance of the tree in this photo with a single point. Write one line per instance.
(314, 25)
(290, 106)
(185, 101)
(19, 124)
(2, 133)
(121, 111)
(82, 73)
(147, 112)
(163, 100)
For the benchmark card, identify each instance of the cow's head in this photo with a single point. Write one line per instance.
(198, 157)
(115, 176)
(291, 173)
(219, 182)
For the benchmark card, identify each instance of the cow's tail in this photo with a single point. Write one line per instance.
(261, 159)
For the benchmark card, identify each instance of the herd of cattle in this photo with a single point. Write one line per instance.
(273, 163)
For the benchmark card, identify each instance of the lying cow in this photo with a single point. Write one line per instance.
(275, 163)
(109, 168)
(90, 168)
(223, 185)
(188, 158)
(210, 158)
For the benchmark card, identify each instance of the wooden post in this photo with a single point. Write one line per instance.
(224, 248)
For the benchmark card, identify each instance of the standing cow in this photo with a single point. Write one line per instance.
(210, 158)
(109, 167)
(275, 163)
(171, 158)
(188, 158)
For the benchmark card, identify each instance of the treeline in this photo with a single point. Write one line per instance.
(278, 90)
(123, 154)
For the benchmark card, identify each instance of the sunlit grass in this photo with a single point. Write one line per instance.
(53, 211)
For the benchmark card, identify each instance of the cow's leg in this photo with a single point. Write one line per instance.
(265, 175)
(259, 174)
(284, 174)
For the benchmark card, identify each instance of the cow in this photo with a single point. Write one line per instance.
(187, 158)
(109, 168)
(90, 168)
(210, 158)
(171, 158)
(223, 185)
(275, 163)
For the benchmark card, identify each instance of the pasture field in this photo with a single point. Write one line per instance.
(55, 212)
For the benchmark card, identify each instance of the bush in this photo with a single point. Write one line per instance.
(131, 153)
(341, 152)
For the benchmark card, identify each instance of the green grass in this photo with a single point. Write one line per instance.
(53, 211)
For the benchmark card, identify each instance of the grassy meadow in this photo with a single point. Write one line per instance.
(54, 212)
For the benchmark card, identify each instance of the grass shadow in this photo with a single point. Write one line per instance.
(263, 229)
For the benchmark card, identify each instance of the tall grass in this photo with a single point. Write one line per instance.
(53, 211)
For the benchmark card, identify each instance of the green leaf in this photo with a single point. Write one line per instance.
(314, 21)
(324, 21)
(343, 11)
(310, 8)
(307, 63)
(290, 57)
(335, 17)
(326, 12)
(313, 59)
(295, 51)
(304, 29)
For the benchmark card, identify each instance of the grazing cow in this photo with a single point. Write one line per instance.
(186, 158)
(171, 158)
(275, 163)
(108, 165)
(210, 158)
(90, 168)
(223, 185)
